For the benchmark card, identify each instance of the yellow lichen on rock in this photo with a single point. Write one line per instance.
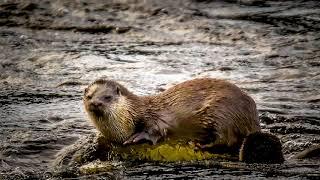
(168, 152)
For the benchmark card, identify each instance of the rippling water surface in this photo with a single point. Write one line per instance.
(44, 72)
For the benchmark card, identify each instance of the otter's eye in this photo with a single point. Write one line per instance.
(88, 97)
(107, 98)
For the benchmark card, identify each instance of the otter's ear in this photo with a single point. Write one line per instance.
(86, 90)
(118, 91)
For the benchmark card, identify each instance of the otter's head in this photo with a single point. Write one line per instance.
(109, 106)
(100, 96)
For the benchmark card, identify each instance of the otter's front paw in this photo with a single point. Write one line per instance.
(141, 137)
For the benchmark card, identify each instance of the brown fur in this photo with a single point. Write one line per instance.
(116, 123)
(209, 111)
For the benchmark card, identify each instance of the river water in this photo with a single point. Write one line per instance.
(50, 51)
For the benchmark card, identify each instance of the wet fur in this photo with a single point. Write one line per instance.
(116, 123)
(210, 111)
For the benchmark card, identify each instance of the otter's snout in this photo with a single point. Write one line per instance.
(96, 106)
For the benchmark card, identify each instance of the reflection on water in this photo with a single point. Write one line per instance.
(37, 123)
(46, 63)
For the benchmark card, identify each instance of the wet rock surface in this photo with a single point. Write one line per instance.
(50, 50)
(311, 152)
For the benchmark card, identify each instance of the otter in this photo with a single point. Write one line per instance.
(212, 113)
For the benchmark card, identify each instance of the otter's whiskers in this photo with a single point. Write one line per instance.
(118, 121)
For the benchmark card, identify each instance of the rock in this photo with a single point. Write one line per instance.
(311, 152)
(267, 118)
(98, 166)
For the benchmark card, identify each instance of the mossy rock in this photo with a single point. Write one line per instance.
(165, 152)
(92, 154)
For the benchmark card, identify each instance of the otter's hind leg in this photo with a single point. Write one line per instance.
(260, 147)
(218, 148)
(215, 144)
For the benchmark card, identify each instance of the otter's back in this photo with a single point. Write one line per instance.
(212, 102)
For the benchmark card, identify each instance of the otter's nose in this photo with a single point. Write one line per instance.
(96, 104)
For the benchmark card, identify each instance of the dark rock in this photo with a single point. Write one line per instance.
(121, 30)
(69, 83)
(225, 68)
(266, 118)
(311, 152)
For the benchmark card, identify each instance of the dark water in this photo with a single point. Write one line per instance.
(51, 50)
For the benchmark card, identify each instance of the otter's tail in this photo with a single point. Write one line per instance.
(259, 147)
